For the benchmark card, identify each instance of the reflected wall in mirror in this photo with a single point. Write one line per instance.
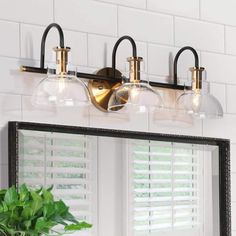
(128, 183)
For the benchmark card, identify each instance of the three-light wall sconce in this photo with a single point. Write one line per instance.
(110, 91)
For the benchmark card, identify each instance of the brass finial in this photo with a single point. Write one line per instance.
(61, 59)
(197, 78)
(134, 68)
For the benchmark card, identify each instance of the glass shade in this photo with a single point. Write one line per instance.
(60, 90)
(200, 103)
(134, 97)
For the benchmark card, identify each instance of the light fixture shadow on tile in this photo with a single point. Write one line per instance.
(170, 114)
(111, 116)
(64, 115)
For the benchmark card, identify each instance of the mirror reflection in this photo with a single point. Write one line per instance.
(126, 186)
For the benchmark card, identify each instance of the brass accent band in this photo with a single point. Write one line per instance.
(134, 68)
(197, 78)
(61, 60)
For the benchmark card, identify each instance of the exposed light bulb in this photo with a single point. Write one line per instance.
(196, 102)
(61, 85)
(61, 89)
(142, 109)
(134, 92)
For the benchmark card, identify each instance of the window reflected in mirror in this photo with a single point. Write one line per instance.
(128, 183)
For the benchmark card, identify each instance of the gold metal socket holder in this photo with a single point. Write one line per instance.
(134, 69)
(197, 78)
(61, 60)
(100, 90)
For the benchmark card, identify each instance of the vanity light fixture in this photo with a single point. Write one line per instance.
(60, 87)
(134, 95)
(109, 90)
(197, 100)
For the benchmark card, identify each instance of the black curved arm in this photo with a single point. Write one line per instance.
(43, 41)
(177, 57)
(116, 47)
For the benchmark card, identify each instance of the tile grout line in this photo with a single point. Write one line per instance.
(123, 5)
(137, 9)
(156, 43)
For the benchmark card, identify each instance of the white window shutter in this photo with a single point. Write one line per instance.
(66, 161)
(164, 188)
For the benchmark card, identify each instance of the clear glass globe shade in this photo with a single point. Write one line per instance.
(57, 90)
(134, 97)
(201, 105)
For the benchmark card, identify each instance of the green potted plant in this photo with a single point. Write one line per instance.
(26, 212)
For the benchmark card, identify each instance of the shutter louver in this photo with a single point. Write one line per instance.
(64, 161)
(164, 188)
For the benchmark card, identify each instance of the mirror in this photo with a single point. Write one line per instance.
(127, 183)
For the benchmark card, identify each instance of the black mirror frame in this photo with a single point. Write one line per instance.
(223, 144)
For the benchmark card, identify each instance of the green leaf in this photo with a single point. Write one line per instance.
(2, 194)
(47, 196)
(43, 226)
(37, 202)
(69, 217)
(38, 191)
(79, 226)
(4, 217)
(27, 213)
(30, 213)
(59, 220)
(27, 224)
(48, 210)
(24, 193)
(3, 230)
(11, 196)
(61, 208)
(4, 207)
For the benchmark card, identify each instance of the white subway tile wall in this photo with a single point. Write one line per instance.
(91, 28)
(188, 8)
(199, 35)
(218, 11)
(10, 39)
(131, 3)
(27, 11)
(230, 37)
(87, 16)
(145, 25)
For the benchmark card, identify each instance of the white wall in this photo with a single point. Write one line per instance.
(160, 28)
